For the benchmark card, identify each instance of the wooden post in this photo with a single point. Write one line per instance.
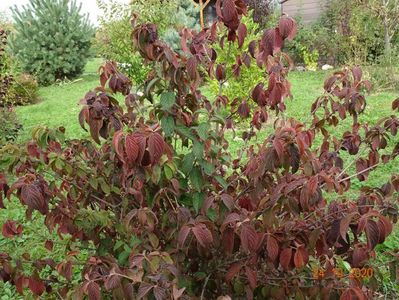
(202, 7)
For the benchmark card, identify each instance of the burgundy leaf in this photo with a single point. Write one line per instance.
(192, 68)
(131, 147)
(156, 146)
(372, 233)
(36, 285)
(252, 277)
(272, 247)
(144, 289)
(10, 229)
(220, 73)
(183, 233)
(242, 34)
(49, 245)
(243, 109)
(233, 271)
(203, 235)
(249, 238)
(287, 27)
(285, 258)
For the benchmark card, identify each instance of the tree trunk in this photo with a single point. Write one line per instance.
(387, 36)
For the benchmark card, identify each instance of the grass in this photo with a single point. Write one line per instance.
(60, 104)
(59, 107)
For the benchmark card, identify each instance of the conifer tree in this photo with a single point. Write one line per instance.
(52, 39)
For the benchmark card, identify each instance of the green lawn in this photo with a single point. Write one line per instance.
(59, 107)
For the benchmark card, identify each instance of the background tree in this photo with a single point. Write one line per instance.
(388, 12)
(52, 39)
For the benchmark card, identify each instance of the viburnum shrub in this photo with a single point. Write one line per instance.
(172, 213)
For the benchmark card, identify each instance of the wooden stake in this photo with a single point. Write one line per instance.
(202, 7)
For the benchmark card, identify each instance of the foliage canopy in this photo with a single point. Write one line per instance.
(172, 213)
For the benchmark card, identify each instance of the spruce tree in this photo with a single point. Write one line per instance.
(52, 39)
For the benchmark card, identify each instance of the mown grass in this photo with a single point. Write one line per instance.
(59, 107)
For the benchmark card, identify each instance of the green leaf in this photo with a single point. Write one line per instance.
(104, 186)
(211, 213)
(93, 183)
(196, 178)
(168, 100)
(122, 258)
(207, 167)
(222, 182)
(187, 163)
(156, 174)
(168, 125)
(198, 149)
(202, 130)
(185, 132)
(168, 172)
(198, 200)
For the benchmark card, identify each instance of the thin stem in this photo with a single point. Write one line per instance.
(359, 173)
(204, 287)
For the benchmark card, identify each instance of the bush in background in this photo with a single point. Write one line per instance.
(10, 125)
(17, 89)
(52, 39)
(346, 33)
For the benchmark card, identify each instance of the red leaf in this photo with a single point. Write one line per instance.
(192, 68)
(156, 146)
(395, 104)
(229, 12)
(171, 57)
(32, 196)
(243, 109)
(228, 201)
(272, 248)
(249, 238)
(386, 224)
(10, 229)
(49, 245)
(233, 271)
(329, 83)
(112, 282)
(220, 73)
(20, 283)
(372, 233)
(159, 293)
(36, 285)
(183, 233)
(278, 146)
(231, 219)
(203, 235)
(144, 289)
(357, 74)
(132, 148)
(95, 126)
(242, 34)
(285, 258)
(301, 257)
(251, 276)
(228, 240)
(252, 48)
(344, 226)
(116, 142)
(287, 27)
